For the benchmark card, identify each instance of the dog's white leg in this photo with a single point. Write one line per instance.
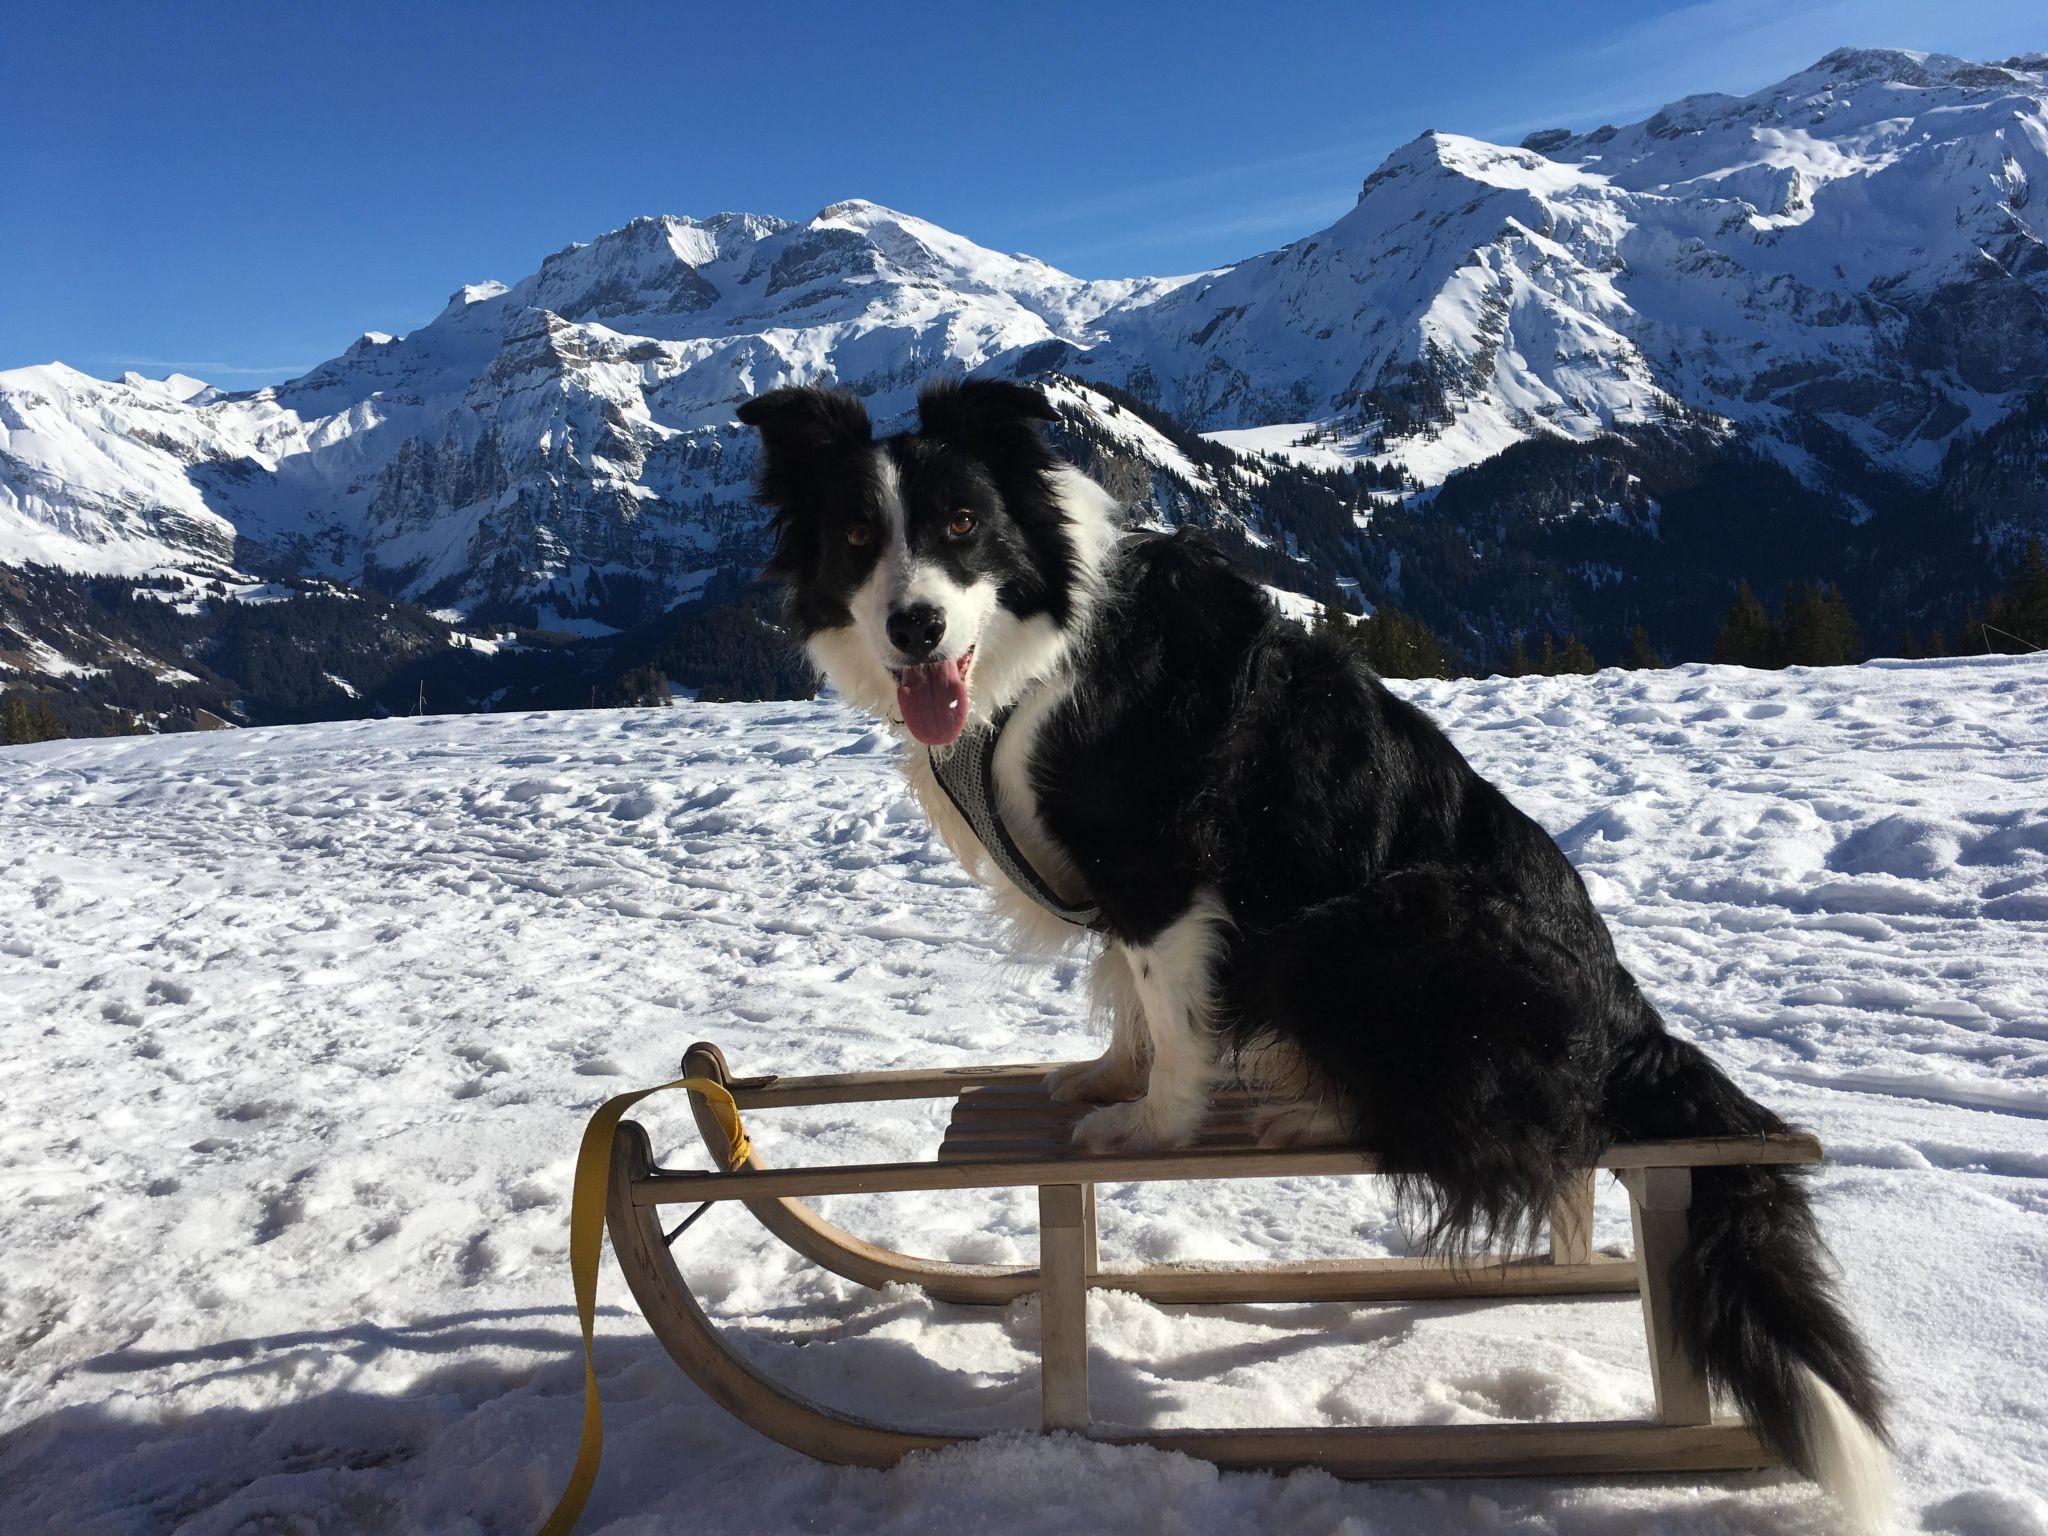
(1173, 977)
(1119, 1072)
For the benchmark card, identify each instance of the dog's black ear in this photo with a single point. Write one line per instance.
(806, 419)
(994, 419)
(804, 432)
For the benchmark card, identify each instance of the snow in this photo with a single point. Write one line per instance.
(1297, 606)
(175, 386)
(298, 1028)
(50, 662)
(549, 618)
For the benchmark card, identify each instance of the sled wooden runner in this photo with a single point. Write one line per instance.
(1005, 1132)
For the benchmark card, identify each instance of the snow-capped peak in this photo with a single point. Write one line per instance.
(472, 293)
(176, 386)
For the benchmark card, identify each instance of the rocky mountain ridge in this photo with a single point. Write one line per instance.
(1835, 288)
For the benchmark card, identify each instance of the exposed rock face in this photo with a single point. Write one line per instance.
(1997, 486)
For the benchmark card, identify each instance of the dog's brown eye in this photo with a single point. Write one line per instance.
(960, 524)
(859, 535)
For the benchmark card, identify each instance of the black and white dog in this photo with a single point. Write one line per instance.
(1300, 879)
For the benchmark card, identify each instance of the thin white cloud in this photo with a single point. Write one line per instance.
(1294, 216)
(202, 370)
(1359, 155)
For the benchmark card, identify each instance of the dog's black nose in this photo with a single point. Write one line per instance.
(917, 630)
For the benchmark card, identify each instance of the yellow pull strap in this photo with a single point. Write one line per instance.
(586, 1244)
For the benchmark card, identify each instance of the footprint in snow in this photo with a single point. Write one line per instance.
(164, 990)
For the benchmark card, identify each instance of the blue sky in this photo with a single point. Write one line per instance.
(239, 190)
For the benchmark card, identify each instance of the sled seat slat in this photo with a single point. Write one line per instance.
(1007, 1169)
(1006, 1130)
(775, 1092)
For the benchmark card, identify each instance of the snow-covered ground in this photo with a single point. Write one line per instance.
(298, 1029)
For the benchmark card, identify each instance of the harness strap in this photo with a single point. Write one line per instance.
(966, 771)
(586, 1245)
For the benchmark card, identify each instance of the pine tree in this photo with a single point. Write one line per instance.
(1909, 646)
(1546, 659)
(1843, 629)
(22, 722)
(2021, 611)
(1747, 637)
(1518, 659)
(1972, 638)
(1641, 657)
(1818, 629)
(1575, 658)
(1800, 625)
(1397, 644)
(636, 687)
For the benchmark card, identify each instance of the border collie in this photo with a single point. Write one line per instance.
(1299, 878)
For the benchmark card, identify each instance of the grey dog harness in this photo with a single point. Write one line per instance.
(966, 771)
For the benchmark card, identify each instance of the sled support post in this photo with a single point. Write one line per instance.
(1658, 1201)
(1064, 1232)
(1090, 1253)
(1571, 1222)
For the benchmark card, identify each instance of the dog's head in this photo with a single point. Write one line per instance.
(934, 573)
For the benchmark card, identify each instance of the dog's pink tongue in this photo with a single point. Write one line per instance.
(933, 699)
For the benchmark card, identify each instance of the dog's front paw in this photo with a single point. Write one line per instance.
(1133, 1127)
(1109, 1079)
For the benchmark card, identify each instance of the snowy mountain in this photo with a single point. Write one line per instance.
(530, 442)
(1829, 297)
(1856, 246)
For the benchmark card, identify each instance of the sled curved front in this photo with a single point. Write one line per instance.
(833, 1247)
(692, 1340)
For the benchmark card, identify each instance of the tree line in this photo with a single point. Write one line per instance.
(2015, 620)
(1813, 626)
(1393, 643)
(732, 644)
(24, 720)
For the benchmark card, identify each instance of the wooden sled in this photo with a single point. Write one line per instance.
(1006, 1132)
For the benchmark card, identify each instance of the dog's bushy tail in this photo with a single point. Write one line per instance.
(1755, 1302)
(1501, 1048)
